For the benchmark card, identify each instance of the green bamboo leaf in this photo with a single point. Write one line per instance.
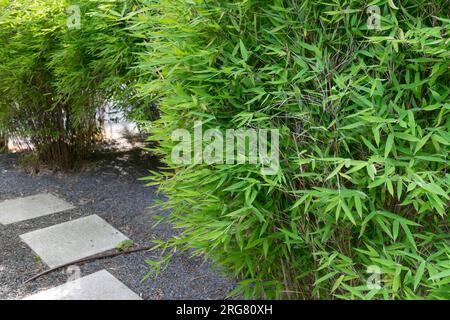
(399, 188)
(325, 277)
(434, 188)
(395, 229)
(337, 283)
(335, 171)
(244, 52)
(390, 187)
(440, 139)
(300, 201)
(419, 274)
(358, 205)
(408, 233)
(392, 5)
(406, 136)
(376, 135)
(371, 171)
(389, 144)
(347, 212)
(440, 275)
(265, 247)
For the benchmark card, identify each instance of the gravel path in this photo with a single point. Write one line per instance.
(111, 190)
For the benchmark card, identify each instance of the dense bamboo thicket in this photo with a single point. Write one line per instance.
(61, 62)
(358, 209)
(359, 91)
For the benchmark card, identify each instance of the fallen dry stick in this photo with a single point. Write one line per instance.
(91, 258)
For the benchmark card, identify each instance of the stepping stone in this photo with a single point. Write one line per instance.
(97, 286)
(22, 209)
(73, 240)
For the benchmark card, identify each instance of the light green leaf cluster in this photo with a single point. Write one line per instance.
(54, 78)
(364, 180)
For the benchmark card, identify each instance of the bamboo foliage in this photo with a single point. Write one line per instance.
(28, 106)
(359, 206)
(54, 78)
(362, 192)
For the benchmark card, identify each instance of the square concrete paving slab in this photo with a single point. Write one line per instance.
(39, 205)
(97, 286)
(73, 240)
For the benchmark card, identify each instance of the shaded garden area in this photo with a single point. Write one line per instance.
(358, 93)
(109, 189)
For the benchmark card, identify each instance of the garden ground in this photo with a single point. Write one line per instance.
(107, 187)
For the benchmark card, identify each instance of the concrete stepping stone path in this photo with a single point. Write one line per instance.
(73, 240)
(97, 286)
(65, 243)
(21, 209)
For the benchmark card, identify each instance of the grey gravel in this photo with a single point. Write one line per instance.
(109, 188)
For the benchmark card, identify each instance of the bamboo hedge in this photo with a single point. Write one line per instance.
(359, 91)
(362, 191)
(61, 62)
